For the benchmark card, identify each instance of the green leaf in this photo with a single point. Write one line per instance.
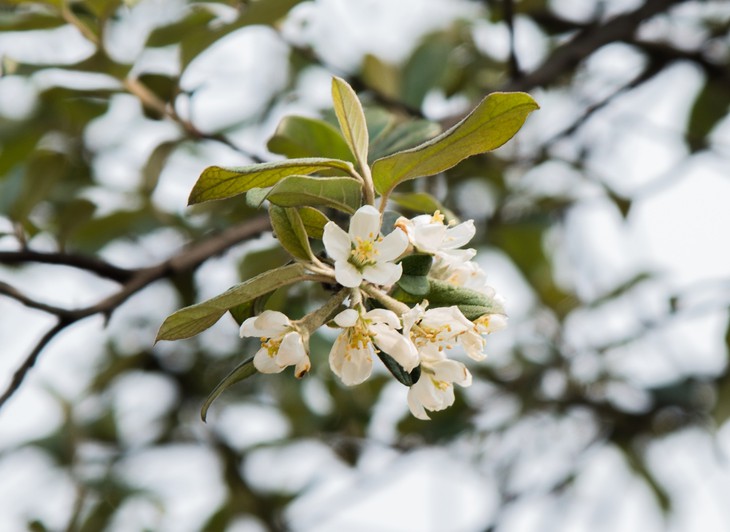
(298, 136)
(401, 375)
(403, 136)
(243, 371)
(220, 183)
(425, 69)
(417, 264)
(351, 117)
(421, 202)
(710, 107)
(289, 229)
(495, 120)
(194, 319)
(342, 193)
(471, 303)
(415, 285)
(314, 221)
(415, 269)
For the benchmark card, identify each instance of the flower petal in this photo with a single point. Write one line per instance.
(384, 273)
(381, 315)
(429, 237)
(416, 406)
(473, 344)
(396, 345)
(272, 323)
(336, 242)
(392, 246)
(265, 363)
(302, 367)
(359, 366)
(365, 223)
(452, 371)
(459, 235)
(347, 275)
(347, 318)
(291, 350)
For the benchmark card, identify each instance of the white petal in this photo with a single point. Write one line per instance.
(337, 354)
(441, 317)
(396, 345)
(492, 323)
(459, 235)
(392, 246)
(272, 323)
(473, 344)
(429, 237)
(347, 275)
(347, 318)
(358, 368)
(302, 367)
(265, 363)
(291, 350)
(381, 315)
(452, 371)
(336, 242)
(365, 223)
(384, 273)
(415, 405)
(249, 329)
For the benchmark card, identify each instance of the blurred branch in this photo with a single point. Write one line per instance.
(566, 57)
(82, 262)
(188, 259)
(514, 66)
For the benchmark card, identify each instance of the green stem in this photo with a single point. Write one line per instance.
(387, 301)
(314, 320)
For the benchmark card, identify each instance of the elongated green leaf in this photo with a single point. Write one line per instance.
(299, 136)
(495, 120)
(351, 118)
(472, 304)
(403, 136)
(194, 319)
(243, 371)
(314, 221)
(219, 183)
(289, 229)
(340, 193)
(401, 375)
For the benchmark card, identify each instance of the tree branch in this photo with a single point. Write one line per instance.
(566, 57)
(82, 262)
(188, 259)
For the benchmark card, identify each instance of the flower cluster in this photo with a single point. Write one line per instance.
(417, 339)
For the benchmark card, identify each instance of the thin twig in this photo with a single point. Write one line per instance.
(188, 259)
(14, 293)
(81, 262)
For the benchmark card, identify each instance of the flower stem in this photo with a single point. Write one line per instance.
(387, 301)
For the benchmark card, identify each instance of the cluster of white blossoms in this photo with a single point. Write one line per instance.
(418, 338)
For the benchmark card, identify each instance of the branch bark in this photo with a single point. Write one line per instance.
(187, 259)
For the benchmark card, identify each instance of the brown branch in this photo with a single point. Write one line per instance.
(14, 293)
(82, 262)
(566, 57)
(188, 259)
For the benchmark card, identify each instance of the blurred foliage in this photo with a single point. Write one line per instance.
(53, 190)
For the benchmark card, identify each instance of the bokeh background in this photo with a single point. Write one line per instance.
(604, 223)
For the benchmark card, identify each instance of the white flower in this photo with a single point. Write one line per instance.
(435, 388)
(429, 234)
(435, 329)
(351, 357)
(363, 253)
(281, 344)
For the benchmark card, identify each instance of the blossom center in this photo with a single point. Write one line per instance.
(422, 336)
(271, 345)
(364, 252)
